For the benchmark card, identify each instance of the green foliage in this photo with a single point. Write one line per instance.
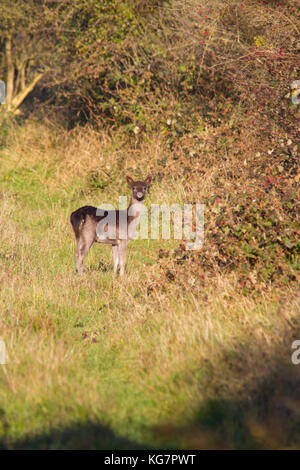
(193, 339)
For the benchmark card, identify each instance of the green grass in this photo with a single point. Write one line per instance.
(102, 362)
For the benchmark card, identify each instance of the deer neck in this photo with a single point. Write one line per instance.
(134, 213)
(138, 207)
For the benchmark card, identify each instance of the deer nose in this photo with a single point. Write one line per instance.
(139, 194)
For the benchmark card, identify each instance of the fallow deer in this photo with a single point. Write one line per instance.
(114, 227)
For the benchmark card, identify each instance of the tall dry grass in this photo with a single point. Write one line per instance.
(155, 358)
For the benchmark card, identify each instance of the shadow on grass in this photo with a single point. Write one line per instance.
(263, 414)
(270, 420)
(252, 401)
(79, 436)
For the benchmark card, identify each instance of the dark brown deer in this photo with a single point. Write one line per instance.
(114, 227)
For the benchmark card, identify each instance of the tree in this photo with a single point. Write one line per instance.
(86, 51)
(28, 44)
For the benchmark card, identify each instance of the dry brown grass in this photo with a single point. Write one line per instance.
(148, 349)
(191, 349)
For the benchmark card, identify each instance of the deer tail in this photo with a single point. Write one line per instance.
(77, 220)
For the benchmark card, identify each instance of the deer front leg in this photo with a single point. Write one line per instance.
(122, 256)
(115, 251)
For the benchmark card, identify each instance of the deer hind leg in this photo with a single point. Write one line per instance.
(115, 251)
(122, 256)
(83, 246)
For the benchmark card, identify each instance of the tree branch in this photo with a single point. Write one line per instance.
(20, 97)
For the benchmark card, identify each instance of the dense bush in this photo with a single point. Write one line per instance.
(211, 83)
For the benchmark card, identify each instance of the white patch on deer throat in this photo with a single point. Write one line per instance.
(132, 226)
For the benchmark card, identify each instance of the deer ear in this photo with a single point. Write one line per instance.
(148, 180)
(129, 181)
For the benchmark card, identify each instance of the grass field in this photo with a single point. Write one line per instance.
(140, 362)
